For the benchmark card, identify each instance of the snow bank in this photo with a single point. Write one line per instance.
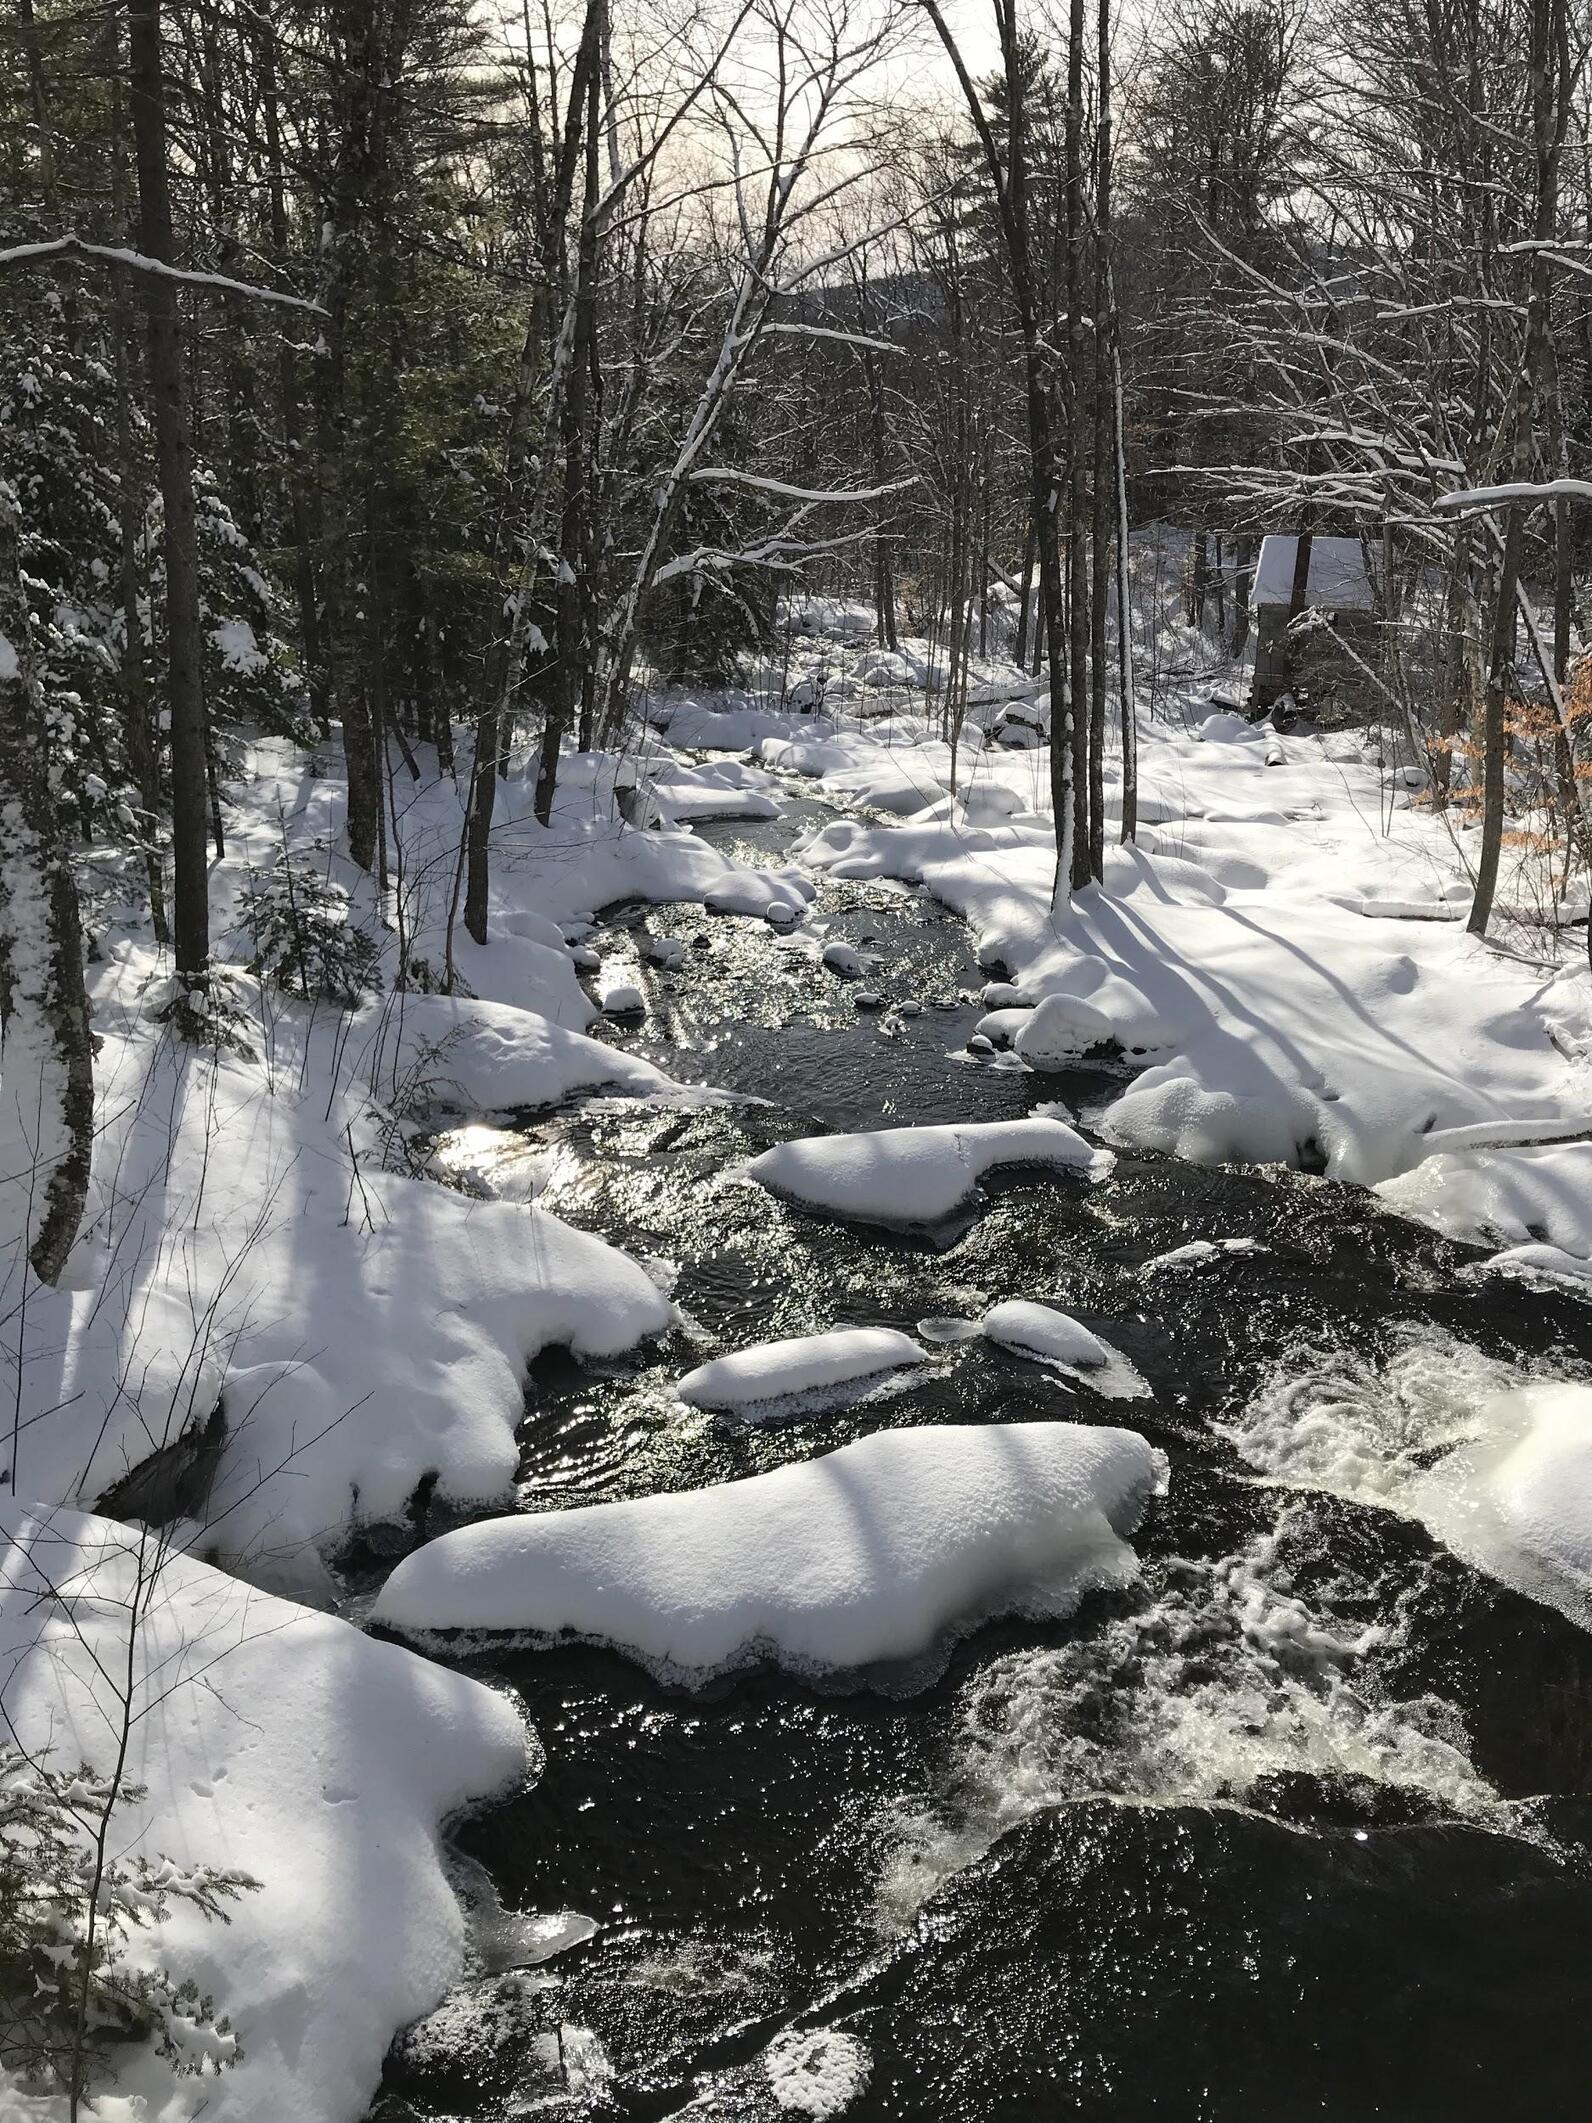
(1517, 1500)
(245, 1248)
(916, 1175)
(1230, 954)
(278, 1742)
(1492, 1197)
(868, 1554)
(484, 1057)
(734, 726)
(805, 1364)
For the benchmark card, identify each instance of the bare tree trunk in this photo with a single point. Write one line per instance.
(33, 60)
(573, 674)
(1495, 738)
(1077, 519)
(1499, 664)
(137, 715)
(883, 564)
(1103, 497)
(1298, 597)
(372, 53)
(1025, 602)
(1243, 587)
(301, 512)
(174, 462)
(1127, 689)
(46, 1055)
(1009, 175)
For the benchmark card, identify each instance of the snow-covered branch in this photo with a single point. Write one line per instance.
(72, 246)
(724, 472)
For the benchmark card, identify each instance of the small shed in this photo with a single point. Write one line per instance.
(1341, 587)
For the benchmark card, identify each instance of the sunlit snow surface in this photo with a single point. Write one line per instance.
(864, 1556)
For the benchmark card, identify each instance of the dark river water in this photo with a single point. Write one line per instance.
(1299, 1826)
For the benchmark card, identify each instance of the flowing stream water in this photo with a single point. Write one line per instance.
(1298, 1826)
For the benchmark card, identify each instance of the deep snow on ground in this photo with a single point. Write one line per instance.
(1274, 973)
(273, 1741)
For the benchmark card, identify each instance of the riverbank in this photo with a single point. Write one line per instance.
(303, 1341)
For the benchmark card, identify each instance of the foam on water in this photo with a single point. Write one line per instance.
(1439, 1433)
(1370, 1430)
(804, 2072)
(1224, 1678)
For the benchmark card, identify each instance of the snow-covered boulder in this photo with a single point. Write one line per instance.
(804, 1366)
(916, 1175)
(869, 1554)
(1226, 728)
(486, 1057)
(1052, 1337)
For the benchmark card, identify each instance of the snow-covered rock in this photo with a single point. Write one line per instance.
(486, 1057)
(621, 998)
(842, 958)
(869, 1554)
(805, 1365)
(1039, 1330)
(916, 1175)
(1053, 1337)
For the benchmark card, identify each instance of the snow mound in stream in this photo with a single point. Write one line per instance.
(866, 1555)
(1052, 1337)
(805, 1364)
(916, 1175)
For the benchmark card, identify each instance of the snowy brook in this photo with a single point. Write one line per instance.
(1289, 1818)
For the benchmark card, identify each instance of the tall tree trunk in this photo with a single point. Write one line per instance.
(1495, 739)
(174, 464)
(359, 181)
(1243, 589)
(1499, 665)
(883, 567)
(573, 674)
(1077, 514)
(1298, 597)
(301, 513)
(46, 1055)
(138, 722)
(1127, 691)
(33, 60)
(1025, 602)
(1103, 497)
(1009, 175)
